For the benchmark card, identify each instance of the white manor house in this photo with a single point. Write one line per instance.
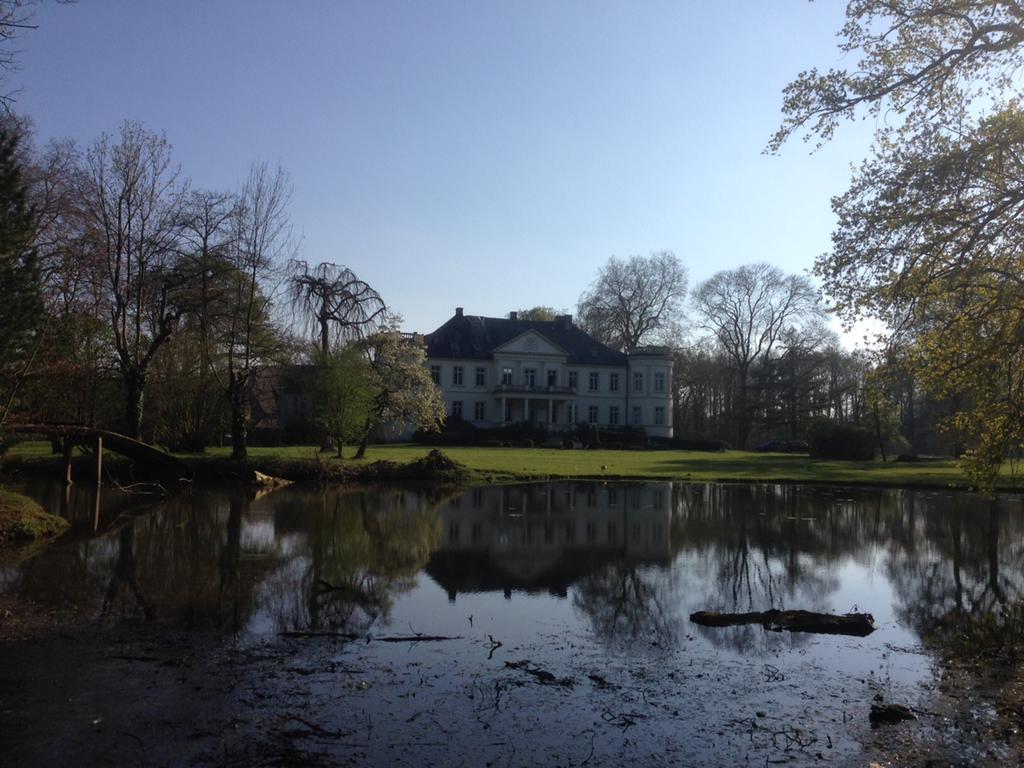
(495, 371)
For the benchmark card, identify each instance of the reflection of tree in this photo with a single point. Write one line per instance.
(230, 592)
(762, 547)
(124, 583)
(960, 591)
(365, 548)
(627, 602)
(214, 559)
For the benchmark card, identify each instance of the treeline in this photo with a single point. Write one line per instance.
(755, 360)
(135, 301)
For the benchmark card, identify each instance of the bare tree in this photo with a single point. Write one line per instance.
(262, 242)
(15, 19)
(749, 309)
(334, 303)
(634, 300)
(208, 232)
(131, 197)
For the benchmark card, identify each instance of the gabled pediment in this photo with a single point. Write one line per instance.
(530, 343)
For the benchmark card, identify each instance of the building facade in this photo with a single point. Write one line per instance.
(494, 371)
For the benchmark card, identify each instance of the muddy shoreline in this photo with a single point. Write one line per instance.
(202, 698)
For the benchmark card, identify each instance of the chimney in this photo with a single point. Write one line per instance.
(458, 311)
(513, 315)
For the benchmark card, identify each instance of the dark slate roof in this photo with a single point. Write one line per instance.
(471, 337)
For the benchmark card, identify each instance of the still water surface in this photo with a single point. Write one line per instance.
(592, 583)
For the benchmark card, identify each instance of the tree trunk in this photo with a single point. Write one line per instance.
(744, 411)
(361, 452)
(239, 397)
(878, 432)
(325, 336)
(135, 384)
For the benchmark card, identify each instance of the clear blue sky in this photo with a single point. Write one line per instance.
(478, 154)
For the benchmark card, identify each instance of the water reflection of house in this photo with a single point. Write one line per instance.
(546, 537)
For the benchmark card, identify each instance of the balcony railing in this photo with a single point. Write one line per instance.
(526, 389)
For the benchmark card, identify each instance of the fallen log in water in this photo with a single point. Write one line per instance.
(855, 624)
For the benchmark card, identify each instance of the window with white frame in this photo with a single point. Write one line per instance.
(593, 381)
(457, 375)
(592, 414)
(506, 375)
(570, 413)
(456, 412)
(573, 379)
(479, 410)
(435, 374)
(481, 376)
(530, 377)
(613, 382)
(659, 382)
(638, 382)
(637, 415)
(613, 415)
(659, 416)
(552, 377)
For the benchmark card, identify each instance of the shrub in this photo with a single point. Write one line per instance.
(460, 432)
(690, 443)
(623, 436)
(830, 439)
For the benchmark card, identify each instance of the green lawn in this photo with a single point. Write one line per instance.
(513, 463)
(503, 464)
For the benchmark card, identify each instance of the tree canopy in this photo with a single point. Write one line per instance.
(333, 303)
(928, 236)
(635, 301)
(925, 60)
(21, 305)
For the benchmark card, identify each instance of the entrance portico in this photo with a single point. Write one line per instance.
(549, 405)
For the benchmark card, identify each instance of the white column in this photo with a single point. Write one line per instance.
(551, 413)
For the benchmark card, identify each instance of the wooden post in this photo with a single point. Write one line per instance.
(99, 460)
(68, 447)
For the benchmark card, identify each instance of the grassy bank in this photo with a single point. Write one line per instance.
(22, 519)
(504, 464)
(490, 465)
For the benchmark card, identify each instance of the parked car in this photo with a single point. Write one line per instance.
(784, 446)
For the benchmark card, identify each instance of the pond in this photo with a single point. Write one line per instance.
(543, 623)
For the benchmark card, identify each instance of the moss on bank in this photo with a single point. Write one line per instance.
(22, 519)
(434, 469)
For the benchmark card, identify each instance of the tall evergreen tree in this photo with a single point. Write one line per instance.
(21, 304)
